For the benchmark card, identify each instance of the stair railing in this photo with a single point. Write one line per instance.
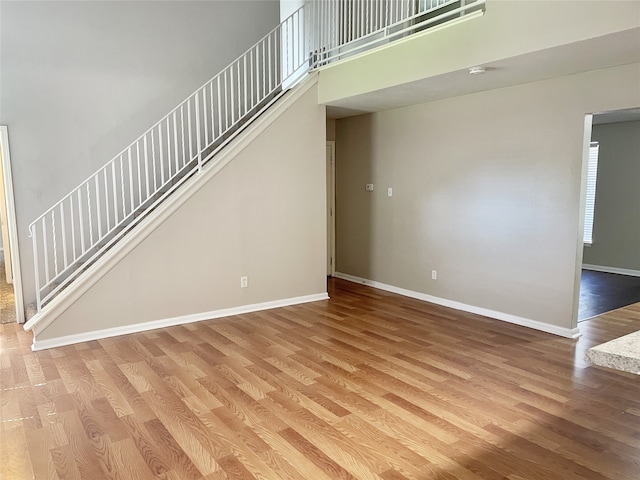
(77, 230)
(72, 234)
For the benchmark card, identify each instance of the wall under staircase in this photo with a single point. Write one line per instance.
(261, 215)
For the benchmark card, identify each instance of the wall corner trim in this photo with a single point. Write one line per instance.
(170, 322)
(505, 317)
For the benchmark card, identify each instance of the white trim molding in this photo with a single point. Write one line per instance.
(170, 322)
(619, 271)
(485, 312)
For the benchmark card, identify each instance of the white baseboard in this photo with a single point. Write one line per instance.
(506, 317)
(170, 322)
(619, 271)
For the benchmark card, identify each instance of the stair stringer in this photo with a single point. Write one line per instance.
(291, 138)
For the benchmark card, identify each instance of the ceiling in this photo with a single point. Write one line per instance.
(601, 52)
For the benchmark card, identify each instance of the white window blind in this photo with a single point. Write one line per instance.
(592, 176)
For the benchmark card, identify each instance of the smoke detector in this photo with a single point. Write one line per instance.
(477, 70)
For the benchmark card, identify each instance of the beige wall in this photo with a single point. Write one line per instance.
(486, 190)
(616, 229)
(262, 216)
(508, 28)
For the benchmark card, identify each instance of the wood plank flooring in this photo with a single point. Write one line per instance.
(368, 385)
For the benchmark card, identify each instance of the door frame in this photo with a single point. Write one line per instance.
(331, 214)
(11, 222)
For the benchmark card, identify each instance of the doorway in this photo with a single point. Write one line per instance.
(331, 208)
(610, 269)
(11, 301)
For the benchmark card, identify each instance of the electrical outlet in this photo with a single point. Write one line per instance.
(244, 282)
(389, 192)
(369, 187)
(434, 274)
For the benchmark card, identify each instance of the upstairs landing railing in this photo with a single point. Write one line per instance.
(344, 28)
(76, 231)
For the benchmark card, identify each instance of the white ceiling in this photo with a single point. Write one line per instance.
(602, 52)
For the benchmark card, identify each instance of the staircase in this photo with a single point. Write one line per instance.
(73, 234)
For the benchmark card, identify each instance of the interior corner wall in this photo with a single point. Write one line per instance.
(81, 80)
(616, 229)
(262, 216)
(486, 190)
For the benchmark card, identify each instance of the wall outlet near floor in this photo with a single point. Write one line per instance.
(434, 274)
(244, 282)
(369, 187)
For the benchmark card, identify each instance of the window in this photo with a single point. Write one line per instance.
(592, 175)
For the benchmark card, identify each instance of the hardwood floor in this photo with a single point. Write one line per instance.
(367, 385)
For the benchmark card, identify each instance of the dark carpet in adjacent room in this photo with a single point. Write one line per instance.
(602, 292)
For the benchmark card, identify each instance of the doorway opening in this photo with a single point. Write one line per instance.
(610, 273)
(11, 301)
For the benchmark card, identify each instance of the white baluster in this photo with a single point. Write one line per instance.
(146, 166)
(139, 173)
(81, 222)
(106, 199)
(189, 136)
(153, 162)
(131, 192)
(175, 141)
(161, 154)
(73, 229)
(54, 242)
(116, 217)
(64, 236)
(199, 144)
(98, 214)
(34, 245)
(89, 216)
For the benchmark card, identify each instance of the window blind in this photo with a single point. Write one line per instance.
(592, 175)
